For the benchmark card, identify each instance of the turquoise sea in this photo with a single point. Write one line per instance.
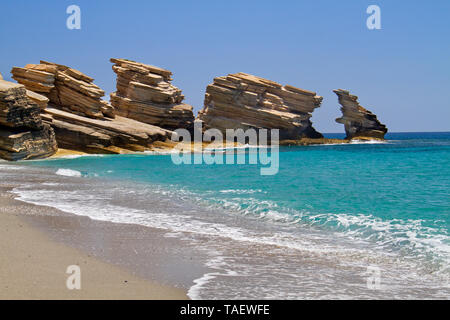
(364, 220)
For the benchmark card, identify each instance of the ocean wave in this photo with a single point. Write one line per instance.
(240, 147)
(368, 142)
(99, 205)
(10, 167)
(241, 191)
(96, 206)
(411, 237)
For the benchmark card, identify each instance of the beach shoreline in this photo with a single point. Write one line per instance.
(150, 219)
(159, 147)
(38, 244)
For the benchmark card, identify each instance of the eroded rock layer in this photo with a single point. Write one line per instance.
(245, 101)
(145, 93)
(89, 135)
(66, 88)
(23, 135)
(358, 122)
(78, 116)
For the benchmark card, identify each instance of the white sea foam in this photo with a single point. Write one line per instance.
(350, 143)
(71, 156)
(216, 263)
(359, 228)
(368, 142)
(245, 146)
(94, 206)
(10, 167)
(241, 191)
(68, 173)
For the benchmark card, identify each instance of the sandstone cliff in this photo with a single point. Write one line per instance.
(245, 101)
(66, 88)
(23, 135)
(359, 122)
(80, 119)
(145, 93)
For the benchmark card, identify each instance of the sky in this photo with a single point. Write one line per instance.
(400, 72)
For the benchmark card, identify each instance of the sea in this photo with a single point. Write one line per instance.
(366, 220)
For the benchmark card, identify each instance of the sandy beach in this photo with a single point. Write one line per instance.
(33, 265)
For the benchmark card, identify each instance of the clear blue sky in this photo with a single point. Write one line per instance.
(401, 73)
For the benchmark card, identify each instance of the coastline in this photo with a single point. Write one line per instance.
(37, 261)
(157, 230)
(159, 147)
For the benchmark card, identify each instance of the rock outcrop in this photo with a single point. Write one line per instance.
(66, 88)
(89, 135)
(245, 101)
(358, 122)
(145, 93)
(78, 116)
(23, 135)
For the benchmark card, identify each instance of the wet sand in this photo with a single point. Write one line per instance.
(38, 243)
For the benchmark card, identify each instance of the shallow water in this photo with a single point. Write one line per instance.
(331, 219)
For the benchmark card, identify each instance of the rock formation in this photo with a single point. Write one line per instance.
(144, 93)
(23, 135)
(66, 88)
(89, 135)
(80, 119)
(359, 122)
(245, 101)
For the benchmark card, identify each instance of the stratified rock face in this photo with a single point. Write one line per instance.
(245, 101)
(359, 122)
(144, 93)
(79, 118)
(66, 88)
(38, 99)
(102, 136)
(23, 135)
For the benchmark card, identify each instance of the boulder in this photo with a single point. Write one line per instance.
(145, 93)
(359, 122)
(23, 135)
(245, 101)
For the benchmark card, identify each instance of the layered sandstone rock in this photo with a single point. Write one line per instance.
(38, 99)
(66, 88)
(23, 135)
(358, 122)
(245, 101)
(75, 111)
(145, 93)
(89, 135)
